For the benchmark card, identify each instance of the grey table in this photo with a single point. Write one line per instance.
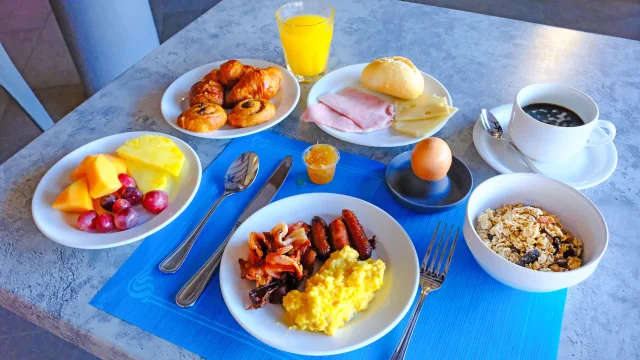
(482, 60)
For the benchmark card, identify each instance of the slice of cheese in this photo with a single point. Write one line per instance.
(426, 106)
(420, 128)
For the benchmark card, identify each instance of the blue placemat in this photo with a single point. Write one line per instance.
(472, 317)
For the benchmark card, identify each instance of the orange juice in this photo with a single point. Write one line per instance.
(306, 40)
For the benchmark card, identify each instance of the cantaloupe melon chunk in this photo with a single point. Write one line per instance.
(102, 177)
(74, 198)
(81, 170)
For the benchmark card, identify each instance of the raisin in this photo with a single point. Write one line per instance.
(561, 262)
(529, 257)
(569, 252)
(490, 236)
(556, 243)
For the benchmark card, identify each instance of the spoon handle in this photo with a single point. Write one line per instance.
(525, 158)
(191, 291)
(174, 261)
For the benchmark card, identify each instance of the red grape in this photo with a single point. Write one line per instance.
(126, 218)
(126, 181)
(155, 201)
(132, 195)
(120, 204)
(104, 223)
(87, 220)
(107, 202)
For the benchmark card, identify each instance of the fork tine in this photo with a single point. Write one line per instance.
(435, 255)
(453, 247)
(423, 267)
(444, 251)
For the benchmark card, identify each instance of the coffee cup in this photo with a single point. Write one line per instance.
(549, 138)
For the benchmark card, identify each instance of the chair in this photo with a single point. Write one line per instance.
(12, 81)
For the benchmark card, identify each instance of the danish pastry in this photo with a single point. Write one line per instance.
(204, 92)
(251, 112)
(203, 118)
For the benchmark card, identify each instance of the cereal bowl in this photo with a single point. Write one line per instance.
(575, 212)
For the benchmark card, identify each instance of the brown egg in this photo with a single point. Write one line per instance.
(431, 159)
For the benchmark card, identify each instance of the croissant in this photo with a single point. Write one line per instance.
(256, 84)
(251, 112)
(202, 118)
(212, 76)
(231, 72)
(205, 92)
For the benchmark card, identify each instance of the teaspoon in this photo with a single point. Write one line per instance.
(491, 124)
(239, 176)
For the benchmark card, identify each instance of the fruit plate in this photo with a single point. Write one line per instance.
(349, 77)
(61, 227)
(176, 99)
(389, 306)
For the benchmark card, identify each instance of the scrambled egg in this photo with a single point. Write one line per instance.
(342, 287)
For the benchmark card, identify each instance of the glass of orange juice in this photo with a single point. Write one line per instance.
(306, 30)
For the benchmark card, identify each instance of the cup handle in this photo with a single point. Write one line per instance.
(603, 124)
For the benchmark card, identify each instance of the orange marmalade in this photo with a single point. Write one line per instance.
(321, 161)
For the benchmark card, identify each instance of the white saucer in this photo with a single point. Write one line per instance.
(588, 168)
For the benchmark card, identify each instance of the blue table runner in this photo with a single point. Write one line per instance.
(472, 316)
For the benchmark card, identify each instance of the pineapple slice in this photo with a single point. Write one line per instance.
(147, 178)
(154, 151)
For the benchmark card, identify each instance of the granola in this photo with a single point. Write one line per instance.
(530, 237)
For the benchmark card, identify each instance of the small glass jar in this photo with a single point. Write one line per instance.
(321, 161)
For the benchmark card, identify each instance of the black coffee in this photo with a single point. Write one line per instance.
(553, 114)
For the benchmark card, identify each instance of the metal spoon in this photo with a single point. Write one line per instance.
(239, 176)
(491, 124)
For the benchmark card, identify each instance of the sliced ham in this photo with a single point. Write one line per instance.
(321, 114)
(369, 112)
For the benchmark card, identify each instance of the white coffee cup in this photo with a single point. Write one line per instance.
(549, 143)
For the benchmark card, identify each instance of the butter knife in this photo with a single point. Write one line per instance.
(191, 291)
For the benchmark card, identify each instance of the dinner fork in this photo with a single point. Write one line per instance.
(431, 278)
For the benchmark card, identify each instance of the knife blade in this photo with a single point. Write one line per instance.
(192, 289)
(268, 190)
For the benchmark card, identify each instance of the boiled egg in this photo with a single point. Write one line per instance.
(431, 159)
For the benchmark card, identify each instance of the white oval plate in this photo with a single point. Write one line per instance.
(61, 227)
(349, 77)
(388, 307)
(586, 169)
(176, 100)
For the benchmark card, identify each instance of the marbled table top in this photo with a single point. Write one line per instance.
(482, 60)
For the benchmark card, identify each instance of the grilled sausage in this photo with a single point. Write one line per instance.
(319, 237)
(339, 235)
(357, 236)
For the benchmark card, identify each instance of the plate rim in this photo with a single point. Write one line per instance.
(213, 65)
(133, 239)
(410, 140)
(351, 347)
(478, 136)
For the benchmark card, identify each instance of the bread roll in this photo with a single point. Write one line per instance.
(395, 76)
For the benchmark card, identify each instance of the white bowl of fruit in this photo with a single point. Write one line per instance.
(116, 190)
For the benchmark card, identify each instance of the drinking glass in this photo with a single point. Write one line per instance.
(306, 30)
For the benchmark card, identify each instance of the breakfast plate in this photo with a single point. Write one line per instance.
(61, 227)
(388, 307)
(176, 99)
(586, 169)
(349, 77)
